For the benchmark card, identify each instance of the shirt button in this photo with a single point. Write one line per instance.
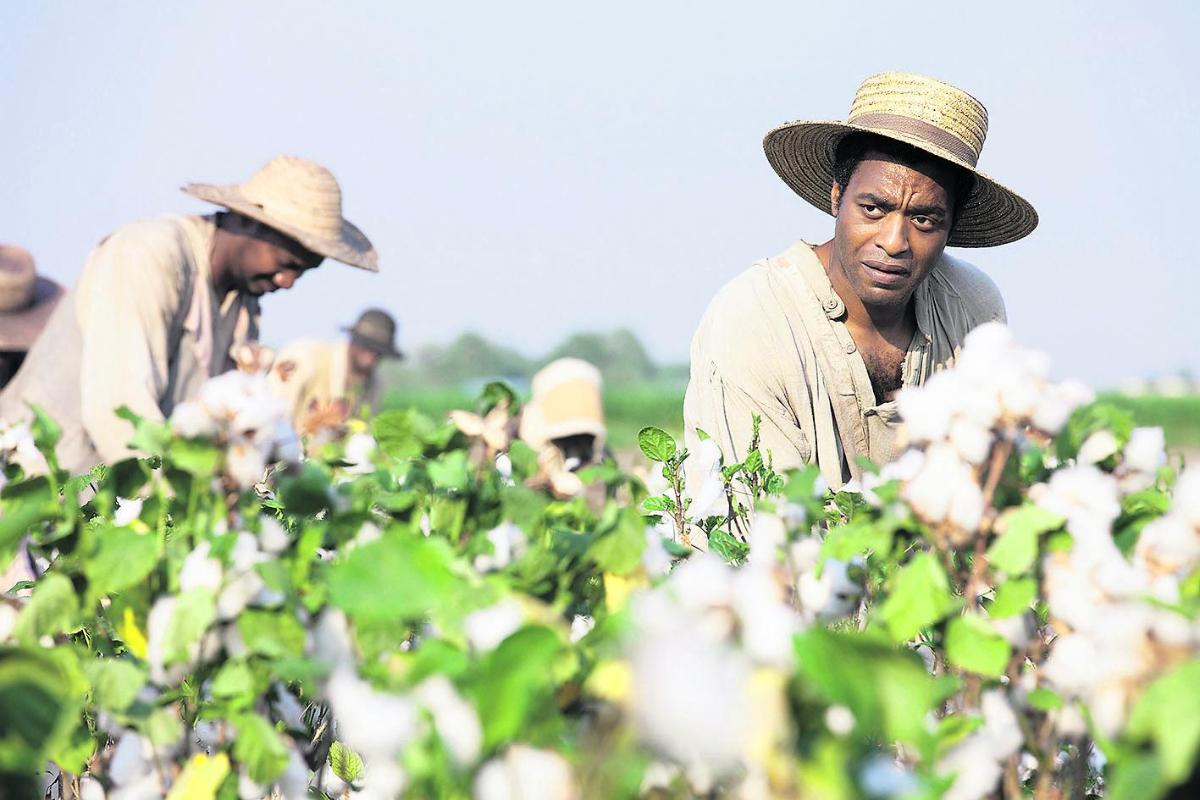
(850, 348)
(831, 304)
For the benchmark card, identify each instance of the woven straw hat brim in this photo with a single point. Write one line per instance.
(802, 154)
(352, 247)
(20, 329)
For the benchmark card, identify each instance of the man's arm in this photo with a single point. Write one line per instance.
(744, 364)
(129, 295)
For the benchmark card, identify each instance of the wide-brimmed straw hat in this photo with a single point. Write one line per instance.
(298, 198)
(376, 330)
(26, 299)
(926, 113)
(567, 401)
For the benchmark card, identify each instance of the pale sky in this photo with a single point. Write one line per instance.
(527, 170)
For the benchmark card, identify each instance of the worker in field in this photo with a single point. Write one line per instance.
(26, 300)
(314, 376)
(818, 339)
(565, 416)
(162, 305)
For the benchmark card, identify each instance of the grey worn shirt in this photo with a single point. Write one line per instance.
(774, 342)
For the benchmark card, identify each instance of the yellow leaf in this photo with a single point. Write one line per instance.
(201, 777)
(617, 589)
(132, 635)
(611, 680)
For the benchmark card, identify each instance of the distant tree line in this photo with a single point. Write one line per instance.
(471, 359)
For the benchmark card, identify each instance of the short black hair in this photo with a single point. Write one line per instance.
(854, 147)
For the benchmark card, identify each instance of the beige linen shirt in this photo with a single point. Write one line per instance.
(311, 371)
(774, 342)
(143, 327)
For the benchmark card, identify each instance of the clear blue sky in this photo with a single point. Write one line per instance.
(531, 169)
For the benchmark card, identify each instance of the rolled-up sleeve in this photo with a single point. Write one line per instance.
(129, 297)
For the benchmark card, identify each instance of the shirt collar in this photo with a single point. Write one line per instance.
(804, 256)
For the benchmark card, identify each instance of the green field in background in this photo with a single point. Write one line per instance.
(630, 408)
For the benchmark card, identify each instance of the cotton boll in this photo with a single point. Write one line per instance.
(928, 409)
(525, 773)
(455, 719)
(767, 625)
(245, 463)
(127, 511)
(655, 558)
(1057, 403)
(1168, 545)
(1186, 502)
(90, 789)
(249, 790)
(8, 620)
(1071, 664)
(1097, 447)
(1000, 724)
(767, 535)
(972, 441)
(488, 627)
(330, 639)
(371, 722)
(830, 595)
(701, 582)
(946, 490)
(293, 783)
(581, 626)
(1145, 451)
(508, 542)
(690, 697)
(383, 779)
(199, 571)
(977, 772)
(881, 776)
(839, 720)
(192, 421)
(274, 538)
(359, 451)
(1017, 630)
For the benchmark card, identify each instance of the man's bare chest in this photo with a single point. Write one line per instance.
(885, 367)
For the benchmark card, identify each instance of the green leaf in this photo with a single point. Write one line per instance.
(271, 633)
(345, 763)
(123, 557)
(51, 610)
(659, 503)
(197, 457)
(259, 748)
(1044, 700)
(148, 437)
(402, 434)
(450, 471)
(861, 537)
(1016, 549)
(919, 596)
(620, 549)
(115, 682)
(1168, 714)
(306, 494)
(234, 681)
(723, 544)
(656, 444)
(194, 612)
(46, 432)
(1013, 597)
(38, 707)
(888, 690)
(400, 576)
(515, 679)
(972, 644)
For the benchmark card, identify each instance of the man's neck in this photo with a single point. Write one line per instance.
(220, 258)
(889, 322)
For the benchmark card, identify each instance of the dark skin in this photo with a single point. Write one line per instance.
(892, 223)
(250, 257)
(363, 361)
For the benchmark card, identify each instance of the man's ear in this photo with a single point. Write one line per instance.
(835, 198)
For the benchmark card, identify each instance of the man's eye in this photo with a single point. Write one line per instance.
(924, 222)
(871, 210)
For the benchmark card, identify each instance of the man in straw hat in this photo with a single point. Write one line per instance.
(26, 300)
(565, 417)
(817, 340)
(312, 376)
(161, 305)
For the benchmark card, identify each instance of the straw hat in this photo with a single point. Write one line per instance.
(567, 401)
(926, 113)
(26, 299)
(298, 198)
(376, 330)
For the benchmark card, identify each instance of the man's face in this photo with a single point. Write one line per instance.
(892, 224)
(270, 261)
(363, 360)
